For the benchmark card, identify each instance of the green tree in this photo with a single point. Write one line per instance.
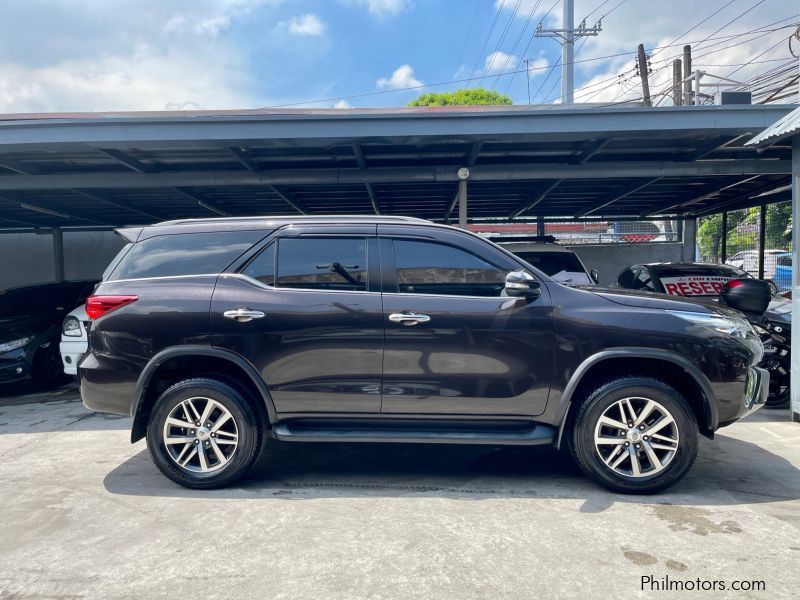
(476, 97)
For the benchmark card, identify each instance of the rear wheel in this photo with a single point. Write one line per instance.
(203, 434)
(634, 435)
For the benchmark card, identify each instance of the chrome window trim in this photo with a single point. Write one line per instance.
(263, 285)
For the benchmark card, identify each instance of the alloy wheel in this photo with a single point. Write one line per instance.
(200, 435)
(636, 437)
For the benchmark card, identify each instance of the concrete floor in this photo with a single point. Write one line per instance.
(85, 514)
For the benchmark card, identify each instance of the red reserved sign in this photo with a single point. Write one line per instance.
(694, 285)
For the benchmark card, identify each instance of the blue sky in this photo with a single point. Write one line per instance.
(101, 55)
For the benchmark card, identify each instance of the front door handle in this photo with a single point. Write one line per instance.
(243, 315)
(409, 318)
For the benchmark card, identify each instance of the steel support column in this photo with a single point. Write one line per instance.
(724, 241)
(58, 253)
(795, 367)
(462, 203)
(689, 240)
(762, 239)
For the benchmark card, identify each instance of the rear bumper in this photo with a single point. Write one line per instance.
(107, 385)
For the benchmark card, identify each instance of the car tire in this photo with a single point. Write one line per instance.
(48, 370)
(214, 454)
(646, 458)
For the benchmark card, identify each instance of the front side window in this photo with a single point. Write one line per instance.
(322, 264)
(431, 268)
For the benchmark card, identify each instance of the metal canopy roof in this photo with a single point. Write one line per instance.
(89, 170)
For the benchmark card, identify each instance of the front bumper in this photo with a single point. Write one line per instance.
(15, 366)
(71, 353)
(756, 390)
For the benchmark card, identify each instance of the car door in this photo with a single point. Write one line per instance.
(454, 343)
(306, 312)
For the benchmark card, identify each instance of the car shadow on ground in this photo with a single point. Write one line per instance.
(728, 471)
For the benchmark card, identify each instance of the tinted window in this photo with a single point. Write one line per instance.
(322, 264)
(785, 261)
(184, 254)
(627, 278)
(262, 267)
(430, 268)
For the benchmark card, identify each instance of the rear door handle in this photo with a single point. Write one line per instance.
(243, 315)
(409, 318)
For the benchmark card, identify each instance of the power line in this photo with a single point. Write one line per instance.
(516, 44)
(517, 71)
(488, 35)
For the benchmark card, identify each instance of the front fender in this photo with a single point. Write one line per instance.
(709, 398)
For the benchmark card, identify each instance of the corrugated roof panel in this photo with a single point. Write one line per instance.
(783, 128)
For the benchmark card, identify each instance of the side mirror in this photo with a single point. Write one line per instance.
(594, 275)
(521, 284)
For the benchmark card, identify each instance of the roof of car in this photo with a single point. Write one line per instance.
(687, 265)
(532, 247)
(261, 222)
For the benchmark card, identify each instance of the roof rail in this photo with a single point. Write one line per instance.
(337, 218)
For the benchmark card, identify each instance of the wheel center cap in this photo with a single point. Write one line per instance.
(634, 435)
(203, 433)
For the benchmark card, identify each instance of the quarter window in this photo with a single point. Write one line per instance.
(184, 254)
(322, 264)
(431, 268)
(262, 267)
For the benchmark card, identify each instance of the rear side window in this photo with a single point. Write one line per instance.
(184, 254)
(322, 264)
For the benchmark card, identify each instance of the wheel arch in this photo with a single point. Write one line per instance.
(641, 361)
(180, 362)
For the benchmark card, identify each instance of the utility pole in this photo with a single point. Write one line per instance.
(528, 77)
(643, 69)
(687, 72)
(568, 36)
(677, 76)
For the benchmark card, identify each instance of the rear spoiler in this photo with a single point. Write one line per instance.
(129, 234)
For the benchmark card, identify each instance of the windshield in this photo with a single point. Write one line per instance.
(563, 267)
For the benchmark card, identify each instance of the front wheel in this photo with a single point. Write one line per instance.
(203, 434)
(634, 435)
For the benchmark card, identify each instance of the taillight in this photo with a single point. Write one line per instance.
(97, 306)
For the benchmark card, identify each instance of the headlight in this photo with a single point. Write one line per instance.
(731, 325)
(14, 344)
(71, 327)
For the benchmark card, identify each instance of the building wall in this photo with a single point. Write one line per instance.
(611, 259)
(28, 257)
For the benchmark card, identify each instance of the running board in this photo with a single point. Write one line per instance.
(418, 433)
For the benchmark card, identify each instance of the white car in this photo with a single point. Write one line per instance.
(74, 339)
(747, 260)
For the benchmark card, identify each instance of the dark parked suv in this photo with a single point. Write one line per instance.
(215, 333)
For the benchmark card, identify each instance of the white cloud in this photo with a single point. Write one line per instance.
(309, 24)
(498, 62)
(402, 77)
(125, 55)
(382, 8)
(342, 104)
